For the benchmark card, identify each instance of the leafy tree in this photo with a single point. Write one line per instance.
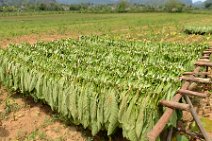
(75, 7)
(174, 6)
(208, 4)
(42, 7)
(122, 6)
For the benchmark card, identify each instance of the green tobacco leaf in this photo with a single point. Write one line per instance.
(100, 82)
(182, 138)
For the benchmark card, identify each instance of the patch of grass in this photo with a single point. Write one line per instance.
(139, 26)
(10, 107)
(47, 122)
(207, 123)
(36, 135)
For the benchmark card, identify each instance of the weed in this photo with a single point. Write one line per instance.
(48, 121)
(36, 135)
(10, 107)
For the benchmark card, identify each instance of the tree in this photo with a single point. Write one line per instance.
(174, 6)
(208, 4)
(75, 7)
(122, 6)
(42, 7)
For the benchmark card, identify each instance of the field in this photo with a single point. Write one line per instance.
(155, 30)
(142, 26)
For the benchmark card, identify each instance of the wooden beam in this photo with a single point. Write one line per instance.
(197, 79)
(207, 52)
(175, 105)
(199, 73)
(203, 63)
(205, 57)
(203, 60)
(192, 93)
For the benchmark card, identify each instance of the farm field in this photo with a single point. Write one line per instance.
(140, 26)
(155, 30)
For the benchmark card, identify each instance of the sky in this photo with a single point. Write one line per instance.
(197, 0)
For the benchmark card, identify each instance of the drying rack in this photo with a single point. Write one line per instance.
(189, 78)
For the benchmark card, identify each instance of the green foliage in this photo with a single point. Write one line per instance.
(200, 30)
(174, 6)
(100, 82)
(42, 7)
(122, 6)
(75, 7)
(182, 138)
(208, 4)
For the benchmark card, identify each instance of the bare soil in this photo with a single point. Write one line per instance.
(23, 119)
(32, 39)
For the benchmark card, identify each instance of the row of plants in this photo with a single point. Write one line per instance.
(198, 30)
(99, 82)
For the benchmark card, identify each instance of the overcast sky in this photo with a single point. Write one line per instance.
(197, 0)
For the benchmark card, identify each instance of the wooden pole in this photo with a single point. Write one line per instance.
(197, 120)
(201, 63)
(207, 52)
(197, 79)
(175, 105)
(192, 93)
(170, 135)
(199, 73)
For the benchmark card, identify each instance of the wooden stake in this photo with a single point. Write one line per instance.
(192, 93)
(197, 120)
(169, 138)
(199, 73)
(203, 63)
(175, 105)
(205, 57)
(204, 60)
(207, 52)
(197, 79)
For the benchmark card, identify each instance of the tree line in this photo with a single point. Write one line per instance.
(121, 7)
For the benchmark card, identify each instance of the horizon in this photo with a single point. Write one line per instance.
(198, 0)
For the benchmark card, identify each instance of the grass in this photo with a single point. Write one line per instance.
(140, 26)
(10, 107)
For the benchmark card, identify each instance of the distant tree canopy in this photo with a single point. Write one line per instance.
(50, 7)
(122, 6)
(208, 4)
(174, 6)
